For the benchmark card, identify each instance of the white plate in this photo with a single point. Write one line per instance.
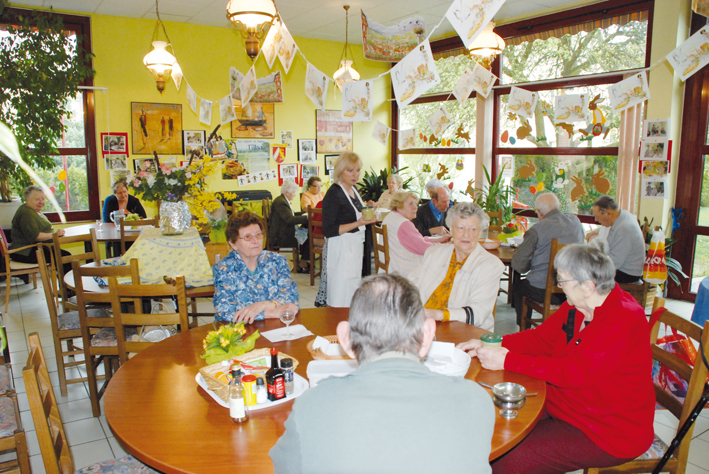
(301, 385)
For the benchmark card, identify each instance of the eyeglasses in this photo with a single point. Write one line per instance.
(559, 282)
(252, 237)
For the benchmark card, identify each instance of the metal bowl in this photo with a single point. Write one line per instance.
(508, 409)
(509, 391)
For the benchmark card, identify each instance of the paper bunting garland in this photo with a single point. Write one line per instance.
(391, 43)
(522, 102)
(248, 87)
(316, 84)
(205, 111)
(570, 108)
(407, 138)
(272, 43)
(692, 55)
(226, 110)
(414, 75)
(469, 17)
(439, 122)
(287, 49)
(177, 76)
(191, 98)
(629, 92)
(483, 80)
(380, 132)
(356, 100)
(464, 87)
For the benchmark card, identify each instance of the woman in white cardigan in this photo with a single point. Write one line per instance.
(459, 281)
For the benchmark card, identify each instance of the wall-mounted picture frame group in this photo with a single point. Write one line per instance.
(156, 127)
(193, 143)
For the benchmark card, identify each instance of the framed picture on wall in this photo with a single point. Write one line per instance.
(116, 161)
(193, 138)
(306, 151)
(330, 163)
(156, 127)
(333, 134)
(256, 121)
(114, 143)
(306, 171)
(288, 172)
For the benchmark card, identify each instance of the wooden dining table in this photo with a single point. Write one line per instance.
(160, 415)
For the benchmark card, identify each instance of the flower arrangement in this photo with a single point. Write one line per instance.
(509, 228)
(227, 342)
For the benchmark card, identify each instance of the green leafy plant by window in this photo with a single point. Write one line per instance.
(495, 196)
(373, 185)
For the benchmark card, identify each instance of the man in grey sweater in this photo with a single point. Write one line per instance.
(533, 255)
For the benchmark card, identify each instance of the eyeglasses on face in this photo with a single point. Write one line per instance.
(252, 237)
(560, 283)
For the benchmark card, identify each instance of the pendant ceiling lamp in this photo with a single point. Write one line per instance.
(487, 46)
(160, 62)
(347, 72)
(253, 18)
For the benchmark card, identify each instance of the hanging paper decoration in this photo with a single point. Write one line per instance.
(561, 174)
(316, 84)
(205, 111)
(272, 43)
(426, 168)
(598, 122)
(461, 134)
(269, 88)
(226, 110)
(443, 171)
(483, 80)
(464, 86)
(578, 190)
(692, 55)
(527, 171)
(287, 50)
(522, 102)
(655, 268)
(356, 101)
(258, 177)
(629, 92)
(177, 76)
(459, 165)
(570, 108)
(414, 75)
(407, 138)
(439, 121)
(469, 17)
(191, 98)
(62, 175)
(248, 87)
(391, 43)
(602, 185)
(380, 132)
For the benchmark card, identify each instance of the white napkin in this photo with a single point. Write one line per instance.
(277, 335)
(328, 348)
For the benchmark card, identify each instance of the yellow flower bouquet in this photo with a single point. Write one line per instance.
(226, 342)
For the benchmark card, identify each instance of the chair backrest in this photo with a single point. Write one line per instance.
(122, 293)
(131, 236)
(495, 215)
(229, 207)
(3, 241)
(315, 230)
(551, 286)
(380, 241)
(216, 249)
(637, 290)
(94, 255)
(45, 413)
(694, 376)
(51, 293)
(266, 210)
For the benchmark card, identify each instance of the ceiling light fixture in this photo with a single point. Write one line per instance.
(253, 18)
(159, 61)
(487, 46)
(346, 73)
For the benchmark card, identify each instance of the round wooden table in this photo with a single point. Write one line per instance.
(161, 416)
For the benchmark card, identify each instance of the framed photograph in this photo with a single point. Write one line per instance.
(256, 121)
(654, 151)
(117, 175)
(306, 151)
(156, 127)
(116, 161)
(656, 130)
(193, 138)
(333, 134)
(306, 171)
(114, 143)
(145, 164)
(287, 172)
(330, 163)
(287, 138)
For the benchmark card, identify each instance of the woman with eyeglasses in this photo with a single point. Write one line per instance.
(594, 353)
(251, 283)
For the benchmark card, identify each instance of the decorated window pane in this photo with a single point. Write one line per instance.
(455, 170)
(449, 70)
(454, 126)
(68, 180)
(577, 180)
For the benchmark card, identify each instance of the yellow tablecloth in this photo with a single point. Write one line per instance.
(161, 255)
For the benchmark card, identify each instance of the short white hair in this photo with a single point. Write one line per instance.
(289, 187)
(433, 184)
(465, 210)
(547, 202)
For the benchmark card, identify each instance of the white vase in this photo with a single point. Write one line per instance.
(175, 217)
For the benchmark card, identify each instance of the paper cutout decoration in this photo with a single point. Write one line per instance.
(287, 50)
(527, 171)
(524, 131)
(269, 88)
(578, 190)
(226, 110)
(62, 175)
(259, 177)
(414, 75)
(560, 176)
(570, 108)
(459, 165)
(439, 121)
(191, 98)
(629, 92)
(248, 87)
(278, 153)
(272, 43)
(316, 84)
(426, 168)
(205, 111)
(356, 101)
(602, 184)
(469, 17)
(522, 102)
(464, 86)
(463, 135)
(443, 171)
(177, 76)
(391, 43)
(407, 138)
(380, 132)
(504, 136)
(598, 123)
(692, 55)
(567, 127)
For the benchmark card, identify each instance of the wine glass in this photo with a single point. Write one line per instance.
(287, 317)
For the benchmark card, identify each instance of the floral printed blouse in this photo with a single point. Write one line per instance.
(236, 287)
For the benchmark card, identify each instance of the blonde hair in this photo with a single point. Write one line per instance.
(400, 197)
(344, 161)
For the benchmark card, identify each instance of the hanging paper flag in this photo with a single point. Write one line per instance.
(316, 84)
(287, 50)
(191, 98)
(692, 55)
(269, 88)
(235, 78)
(380, 132)
(439, 121)
(226, 110)
(470, 17)
(248, 86)
(629, 92)
(701, 7)
(414, 75)
(177, 76)
(570, 108)
(479, 80)
(205, 111)
(272, 43)
(407, 138)
(391, 43)
(356, 100)
(522, 102)
(464, 87)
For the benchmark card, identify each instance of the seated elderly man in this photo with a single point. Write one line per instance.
(626, 245)
(283, 224)
(533, 255)
(393, 414)
(431, 217)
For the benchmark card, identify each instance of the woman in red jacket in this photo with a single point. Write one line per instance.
(594, 353)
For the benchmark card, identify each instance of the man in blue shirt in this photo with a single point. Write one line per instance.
(431, 217)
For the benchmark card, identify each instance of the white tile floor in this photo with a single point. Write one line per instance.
(91, 440)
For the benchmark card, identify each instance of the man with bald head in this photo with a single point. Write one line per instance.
(431, 217)
(533, 255)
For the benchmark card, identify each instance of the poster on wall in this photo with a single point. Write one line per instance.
(306, 151)
(148, 165)
(253, 121)
(391, 43)
(652, 189)
(306, 172)
(116, 161)
(333, 134)
(156, 127)
(254, 154)
(287, 138)
(330, 163)
(655, 170)
(288, 172)
(117, 175)
(260, 177)
(232, 169)
(654, 151)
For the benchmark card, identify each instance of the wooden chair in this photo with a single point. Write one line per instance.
(122, 293)
(637, 291)
(133, 236)
(381, 250)
(216, 249)
(498, 215)
(14, 438)
(266, 206)
(316, 240)
(69, 304)
(545, 308)
(98, 334)
(48, 421)
(695, 376)
(7, 386)
(13, 269)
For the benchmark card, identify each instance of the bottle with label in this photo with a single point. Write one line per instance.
(287, 367)
(275, 380)
(237, 407)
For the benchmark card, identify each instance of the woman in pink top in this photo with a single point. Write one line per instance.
(406, 244)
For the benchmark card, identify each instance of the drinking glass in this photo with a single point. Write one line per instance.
(287, 317)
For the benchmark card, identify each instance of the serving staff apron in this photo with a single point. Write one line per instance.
(344, 263)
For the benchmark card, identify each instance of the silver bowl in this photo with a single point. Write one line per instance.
(510, 397)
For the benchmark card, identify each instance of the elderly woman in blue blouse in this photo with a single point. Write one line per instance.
(251, 283)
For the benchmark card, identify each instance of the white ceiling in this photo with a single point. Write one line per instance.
(319, 19)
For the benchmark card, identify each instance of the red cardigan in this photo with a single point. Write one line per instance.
(600, 382)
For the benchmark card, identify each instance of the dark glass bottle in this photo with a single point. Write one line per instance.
(275, 380)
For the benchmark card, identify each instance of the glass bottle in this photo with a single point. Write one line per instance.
(237, 407)
(287, 367)
(261, 394)
(275, 383)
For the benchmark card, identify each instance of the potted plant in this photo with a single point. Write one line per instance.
(494, 196)
(373, 185)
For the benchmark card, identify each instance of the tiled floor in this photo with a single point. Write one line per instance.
(91, 440)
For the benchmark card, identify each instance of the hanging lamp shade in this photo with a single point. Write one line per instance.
(487, 45)
(346, 72)
(252, 18)
(159, 62)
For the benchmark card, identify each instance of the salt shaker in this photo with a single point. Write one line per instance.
(287, 367)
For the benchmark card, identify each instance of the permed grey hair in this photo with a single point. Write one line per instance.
(396, 178)
(117, 184)
(28, 190)
(400, 197)
(464, 210)
(289, 187)
(588, 262)
(605, 203)
(386, 315)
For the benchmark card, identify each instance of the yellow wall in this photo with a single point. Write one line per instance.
(205, 55)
